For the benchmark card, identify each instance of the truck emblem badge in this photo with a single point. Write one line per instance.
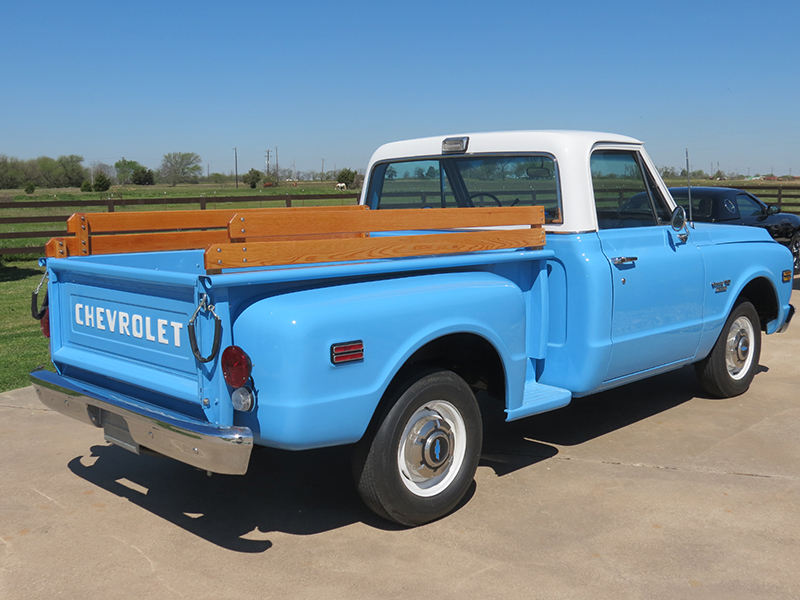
(720, 286)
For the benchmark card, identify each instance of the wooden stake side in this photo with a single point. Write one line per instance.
(166, 220)
(250, 225)
(111, 233)
(257, 254)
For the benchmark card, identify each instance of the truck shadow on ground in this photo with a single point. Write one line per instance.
(303, 493)
(511, 446)
(8, 273)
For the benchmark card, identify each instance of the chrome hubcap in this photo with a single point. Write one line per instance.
(432, 448)
(738, 357)
(428, 447)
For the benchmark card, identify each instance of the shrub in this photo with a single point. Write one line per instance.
(30, 188)
(346, 176)
(143, 176)
(252, 178)
(101, 182)
(86, 186)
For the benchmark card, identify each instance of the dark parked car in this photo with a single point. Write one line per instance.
(737, 207)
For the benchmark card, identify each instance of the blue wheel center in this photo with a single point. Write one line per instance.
(437, 449)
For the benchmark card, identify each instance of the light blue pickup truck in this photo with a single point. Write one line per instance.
(536, 267)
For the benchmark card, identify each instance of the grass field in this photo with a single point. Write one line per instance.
(22, 345)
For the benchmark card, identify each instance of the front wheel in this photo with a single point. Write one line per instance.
(417, 462)
(730, 367)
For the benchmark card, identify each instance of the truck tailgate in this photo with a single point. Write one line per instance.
(129, 324)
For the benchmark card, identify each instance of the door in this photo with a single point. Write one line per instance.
(657, 279)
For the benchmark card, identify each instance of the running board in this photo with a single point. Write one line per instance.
(538, 398)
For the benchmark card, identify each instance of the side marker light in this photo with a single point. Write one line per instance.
(347, 352)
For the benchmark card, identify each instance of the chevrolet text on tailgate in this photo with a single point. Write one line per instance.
(197, 334)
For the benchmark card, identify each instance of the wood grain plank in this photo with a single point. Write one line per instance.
(190, 219)
(157, 242)
(271, 223)
(224, 256)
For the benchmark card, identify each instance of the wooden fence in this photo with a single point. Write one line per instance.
(50, 211)
(787, 197)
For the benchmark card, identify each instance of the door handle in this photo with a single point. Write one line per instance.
(621, 260)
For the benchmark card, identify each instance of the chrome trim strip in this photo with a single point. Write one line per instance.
(206, 446)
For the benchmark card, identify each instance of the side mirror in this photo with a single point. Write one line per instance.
(678, 218)
(773, 210)
(679, 223)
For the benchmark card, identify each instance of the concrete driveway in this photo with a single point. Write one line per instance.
(649, 491)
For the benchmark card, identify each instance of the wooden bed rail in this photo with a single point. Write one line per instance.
(292, 236)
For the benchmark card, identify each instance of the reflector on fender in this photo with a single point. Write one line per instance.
(787, 276)
(44, 324)
(347, 352)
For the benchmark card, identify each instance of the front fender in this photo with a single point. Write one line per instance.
(730, 269)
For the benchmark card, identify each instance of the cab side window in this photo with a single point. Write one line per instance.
(624, 192)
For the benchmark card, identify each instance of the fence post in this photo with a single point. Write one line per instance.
(288, 201)
(110, 205)
(202, 203)
(780, 195)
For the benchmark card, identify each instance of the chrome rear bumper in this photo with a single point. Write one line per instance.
(132, 424)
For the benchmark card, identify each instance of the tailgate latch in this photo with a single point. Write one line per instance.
(205, 306)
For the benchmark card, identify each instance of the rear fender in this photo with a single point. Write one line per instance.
(305, 401)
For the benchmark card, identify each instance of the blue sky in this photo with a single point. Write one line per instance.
(333, 80)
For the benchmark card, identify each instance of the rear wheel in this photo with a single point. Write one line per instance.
(730, 367)
(417, 463)
(794, 246)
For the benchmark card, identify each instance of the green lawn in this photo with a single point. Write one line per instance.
(22, 345)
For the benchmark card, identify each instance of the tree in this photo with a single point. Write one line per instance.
(125, 169)
(72, 171)
(86, 186)
(252, 177)
(177, 167)
(101, 182)
(142, 176)
(346, 176)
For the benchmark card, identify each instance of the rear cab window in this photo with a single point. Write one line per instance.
(464, 181)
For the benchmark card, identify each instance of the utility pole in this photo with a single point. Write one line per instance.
(236, 163)
(277, 168)
(266, 160)
(322, 173)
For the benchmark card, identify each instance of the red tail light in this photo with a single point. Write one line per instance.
(44, 323)
(236, 366)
